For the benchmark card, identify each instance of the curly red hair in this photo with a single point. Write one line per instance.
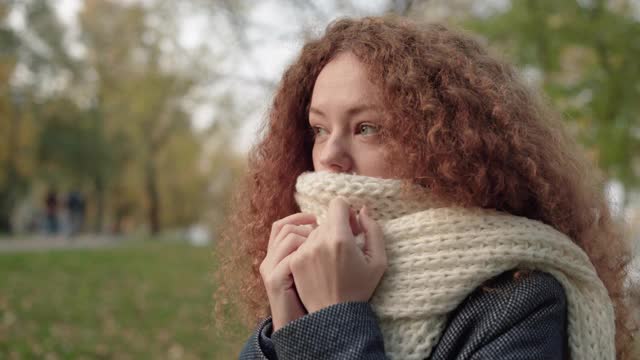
(464, 126)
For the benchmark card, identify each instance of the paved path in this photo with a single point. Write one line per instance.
(43, 243)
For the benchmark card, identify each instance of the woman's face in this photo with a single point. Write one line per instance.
(346, 120)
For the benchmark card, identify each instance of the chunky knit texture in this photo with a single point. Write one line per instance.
(438, 254)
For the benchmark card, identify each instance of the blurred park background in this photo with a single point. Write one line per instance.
(124, 126)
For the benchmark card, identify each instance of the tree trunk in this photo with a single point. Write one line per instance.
(152, 195)
(10, 192)
(98, 182)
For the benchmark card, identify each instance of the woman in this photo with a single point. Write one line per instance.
(412, 199)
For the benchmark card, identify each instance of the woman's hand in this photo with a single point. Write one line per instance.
(330, 268)
(286, 236)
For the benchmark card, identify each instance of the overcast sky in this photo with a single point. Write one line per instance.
(269, 54)
(274, 41)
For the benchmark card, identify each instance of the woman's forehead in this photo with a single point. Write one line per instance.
(344, 81)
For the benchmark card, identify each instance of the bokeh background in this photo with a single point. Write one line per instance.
(125, 124)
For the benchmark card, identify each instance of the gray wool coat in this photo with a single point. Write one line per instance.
(507, 318)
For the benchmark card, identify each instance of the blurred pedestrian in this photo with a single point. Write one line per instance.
(52, 223)
(76, 211)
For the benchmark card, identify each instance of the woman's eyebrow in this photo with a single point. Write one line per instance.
(316, 111)
(352, 111)
(357, 109)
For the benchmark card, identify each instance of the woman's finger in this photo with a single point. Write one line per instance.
(285, 247)
(302, 230)
(281, 274)
(294, 219)
(288, 245)
(374, 245)
(338, 217)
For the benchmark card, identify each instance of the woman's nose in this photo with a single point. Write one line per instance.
(335, 155)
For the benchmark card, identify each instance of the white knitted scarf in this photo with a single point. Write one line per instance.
(438, 255)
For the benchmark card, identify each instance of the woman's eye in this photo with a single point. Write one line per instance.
(367, 129)
(317, 131)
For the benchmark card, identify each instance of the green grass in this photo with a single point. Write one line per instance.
(148, 301)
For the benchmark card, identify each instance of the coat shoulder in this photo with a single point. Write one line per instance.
(504, 313)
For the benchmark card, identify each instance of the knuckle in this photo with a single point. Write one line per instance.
(275, 226)
(269, 277)
(306, 229)
(292, 238)
(341, 199)
(340, 240)
(268, 281)
(287, 228)
(381, 265)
